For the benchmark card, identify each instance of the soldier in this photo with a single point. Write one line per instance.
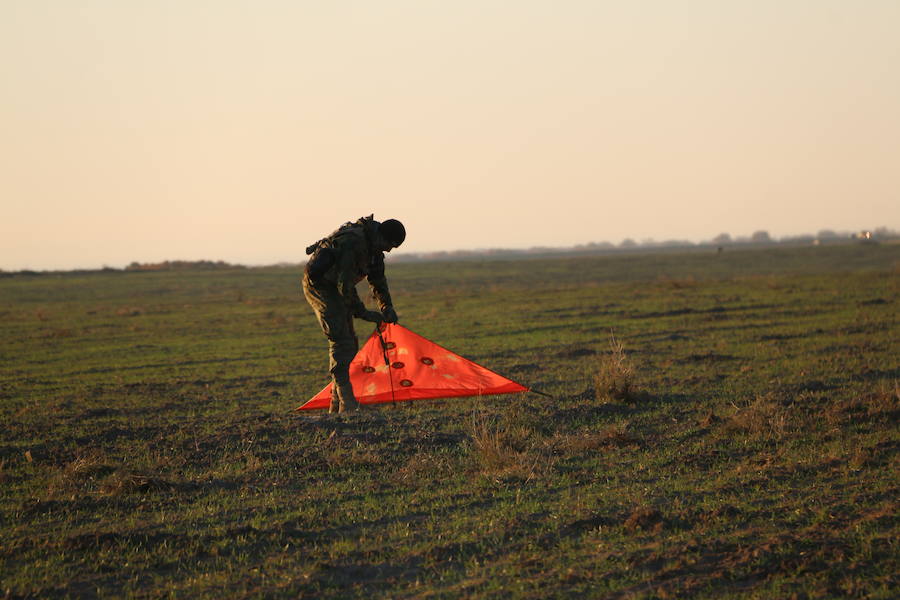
(337, 264)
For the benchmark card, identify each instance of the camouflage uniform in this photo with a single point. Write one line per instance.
(339, 262)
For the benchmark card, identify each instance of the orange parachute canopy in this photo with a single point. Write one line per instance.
(416, 369)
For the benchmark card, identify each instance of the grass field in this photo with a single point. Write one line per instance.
(149, 447)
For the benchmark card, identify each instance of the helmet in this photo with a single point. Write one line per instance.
(393, 231)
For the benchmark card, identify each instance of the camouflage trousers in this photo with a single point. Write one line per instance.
(337, 325)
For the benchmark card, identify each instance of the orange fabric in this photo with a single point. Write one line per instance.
(419, 369)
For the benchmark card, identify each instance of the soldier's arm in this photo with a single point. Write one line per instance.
(379, 285)
(346, 280)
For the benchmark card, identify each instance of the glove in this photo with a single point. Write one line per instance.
(389, 315)
(372, 316)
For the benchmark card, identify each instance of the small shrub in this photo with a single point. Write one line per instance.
(615, 376)
(490, 443)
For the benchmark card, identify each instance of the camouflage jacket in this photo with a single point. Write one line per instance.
(348, 256)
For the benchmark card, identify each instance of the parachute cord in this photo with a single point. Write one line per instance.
(387, 362)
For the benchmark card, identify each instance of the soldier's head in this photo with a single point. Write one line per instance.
(392, 234)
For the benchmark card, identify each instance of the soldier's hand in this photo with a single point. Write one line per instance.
(389, 314)
(372, 316)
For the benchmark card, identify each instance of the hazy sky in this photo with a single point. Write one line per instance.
(245, 130)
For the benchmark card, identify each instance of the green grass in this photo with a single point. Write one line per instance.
(150, 448)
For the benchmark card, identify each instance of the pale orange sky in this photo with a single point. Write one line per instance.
(245, 130)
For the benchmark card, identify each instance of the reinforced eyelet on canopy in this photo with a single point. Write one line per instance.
(406, 383)
(427, 361)
(368, 369)
(398, 365)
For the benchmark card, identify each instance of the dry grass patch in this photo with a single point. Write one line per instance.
(127, 482)
(338, 456)
(614, 378)
(612, 436)
(881, 406)
(723, 513)
(82, 472)
(58, 332)
(505, 452)
(490, 443)
(709, 419)
(644, 518)
(765, 416)
(422, 466)
(678, 282)
(94, 473)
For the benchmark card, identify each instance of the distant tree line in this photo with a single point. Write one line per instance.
(721, 241)
(183, 265)
(757, 238)
(167, 265)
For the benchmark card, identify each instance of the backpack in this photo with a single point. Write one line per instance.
(323, 252)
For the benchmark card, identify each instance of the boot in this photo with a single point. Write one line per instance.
(334, 404)
(348, 401)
